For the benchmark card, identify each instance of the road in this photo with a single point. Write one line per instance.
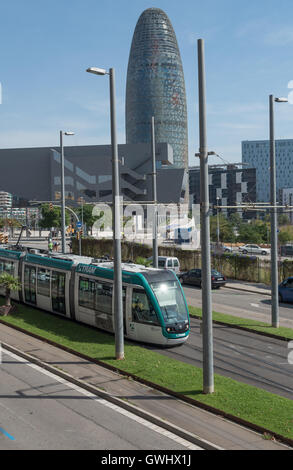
(241, 304)
(247, 357)
(42, 411)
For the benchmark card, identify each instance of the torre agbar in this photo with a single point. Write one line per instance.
(155, 86)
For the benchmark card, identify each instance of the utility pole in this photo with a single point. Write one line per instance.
(274, 236)
(274, 222)
(218, 223)
(208, 366)
(155, 212)
(118, 304)
(63, 235)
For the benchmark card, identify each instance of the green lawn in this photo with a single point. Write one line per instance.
(247, 402)
(245, 323)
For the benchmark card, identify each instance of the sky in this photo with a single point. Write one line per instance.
(45, 48)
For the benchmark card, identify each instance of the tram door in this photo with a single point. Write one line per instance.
(124, 309)
(58, 292)
(30, 284)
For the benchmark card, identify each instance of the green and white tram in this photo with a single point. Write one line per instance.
(80, 288)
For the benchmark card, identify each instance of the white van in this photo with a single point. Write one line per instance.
(166, 262)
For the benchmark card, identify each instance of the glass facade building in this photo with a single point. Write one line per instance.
(256, 154)
(156, 87)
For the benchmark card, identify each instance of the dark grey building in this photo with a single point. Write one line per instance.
(34, 173)
(156, 87)
(229, 183)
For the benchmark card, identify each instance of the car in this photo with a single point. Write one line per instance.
(227, 249)
(168, 262)
(286, 290)
(194, 277)
(287, 250)
(253, 249)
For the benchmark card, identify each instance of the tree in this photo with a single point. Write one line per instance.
(52, 218)
(9, 283)
(86, 213)
(226, 229)
(283, 219)
(285, 236)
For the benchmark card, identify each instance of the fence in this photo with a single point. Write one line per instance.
(233, 266)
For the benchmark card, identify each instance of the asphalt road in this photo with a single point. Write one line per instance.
(241, 304)
(41, 411)
(247, 357)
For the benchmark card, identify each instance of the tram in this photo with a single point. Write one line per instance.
(81, 289)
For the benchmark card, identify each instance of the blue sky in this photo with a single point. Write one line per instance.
(45, 48)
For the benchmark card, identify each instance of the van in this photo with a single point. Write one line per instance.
(166, 262)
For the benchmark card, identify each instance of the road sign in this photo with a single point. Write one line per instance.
(78, 225)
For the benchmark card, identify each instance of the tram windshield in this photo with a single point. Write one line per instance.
(171, 301)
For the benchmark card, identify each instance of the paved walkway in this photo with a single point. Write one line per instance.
(212, 428)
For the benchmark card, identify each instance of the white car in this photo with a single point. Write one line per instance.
(166, 262)
(254, 249)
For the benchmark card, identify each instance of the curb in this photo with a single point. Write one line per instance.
(191, 401)
(244, 328)
(247, 290)
(116, 401)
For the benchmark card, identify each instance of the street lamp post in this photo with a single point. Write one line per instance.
(274, 228)
(63, 238)
(218, 223)
(155, 212)
(118, 304)
(208, 362)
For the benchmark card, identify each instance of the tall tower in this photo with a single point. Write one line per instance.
(156, 87)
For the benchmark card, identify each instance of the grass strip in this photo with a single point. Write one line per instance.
(253, 325)
(244, 401)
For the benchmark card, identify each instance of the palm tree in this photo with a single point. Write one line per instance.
(9, 283)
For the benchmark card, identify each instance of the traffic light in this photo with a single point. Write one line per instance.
(6, 239)
(81, 232)
(77, 235)
(51, 206)
(1, 237)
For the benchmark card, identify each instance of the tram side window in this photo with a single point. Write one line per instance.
(44, 276)
(104, 297)
(6, 267)
(86, 293)
(142, 309)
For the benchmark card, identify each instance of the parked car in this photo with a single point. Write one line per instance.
(227, 249)
(194, 277)
(168, 262)
(287, 250)
(254, 249)
(286, 290)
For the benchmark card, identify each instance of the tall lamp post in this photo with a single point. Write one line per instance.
(62, 133)
(274, 228)
(118, 304)
(155, 212)
(218, 223)
(208, 361)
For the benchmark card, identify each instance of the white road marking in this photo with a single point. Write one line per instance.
(126, 413)
(255, 305)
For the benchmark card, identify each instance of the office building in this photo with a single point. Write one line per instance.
(156, 87)
(256, 154)
(229, 185)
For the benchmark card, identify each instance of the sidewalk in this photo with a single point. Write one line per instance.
(256, 288)
(210, 427)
